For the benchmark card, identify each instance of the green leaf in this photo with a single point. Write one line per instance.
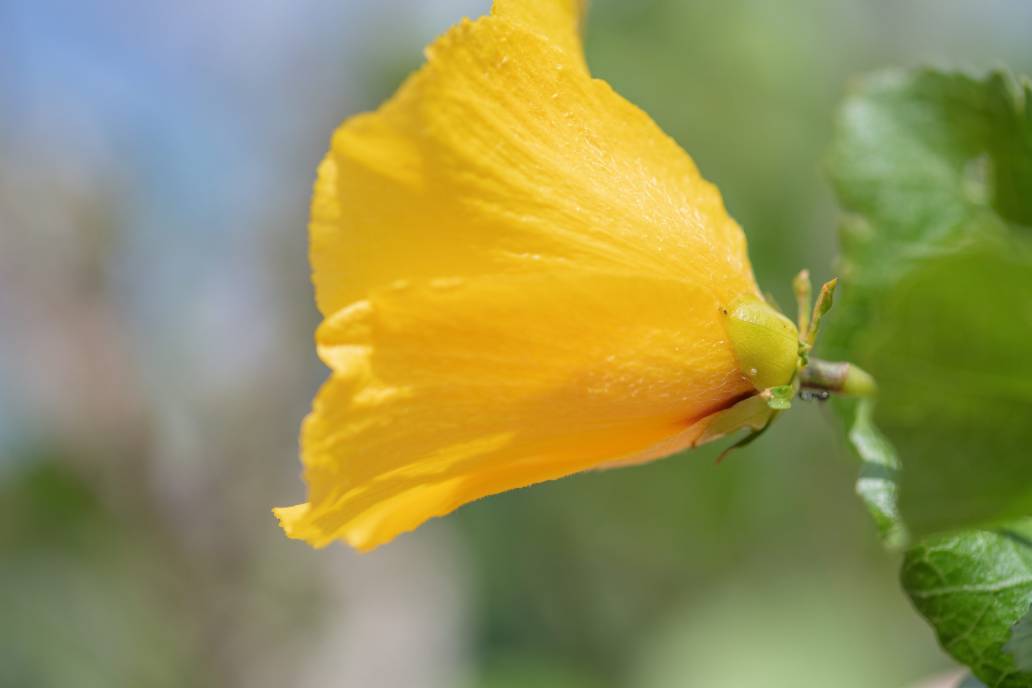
(935, 171)
(926, 162)
(879, 475)
(973, 587)
(952, 358)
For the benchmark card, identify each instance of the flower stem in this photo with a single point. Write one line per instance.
(838, 378)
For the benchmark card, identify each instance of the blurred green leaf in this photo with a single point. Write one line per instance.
(934, 171)
(924, 164)
(938, 285)
(928, 162)
(951, 355)
(973, 587)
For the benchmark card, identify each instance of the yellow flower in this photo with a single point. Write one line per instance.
(522, 277)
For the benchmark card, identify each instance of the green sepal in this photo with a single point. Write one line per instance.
(780, 398)
(752, 412)
(765, 342)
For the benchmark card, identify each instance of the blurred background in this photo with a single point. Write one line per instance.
(156, 359)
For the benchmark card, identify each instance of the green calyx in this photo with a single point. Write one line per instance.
(766, 343)
(773, 353)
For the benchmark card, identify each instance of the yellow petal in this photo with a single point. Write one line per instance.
(447, 391)
(500, 155)
(522, 278)
(559, 20)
